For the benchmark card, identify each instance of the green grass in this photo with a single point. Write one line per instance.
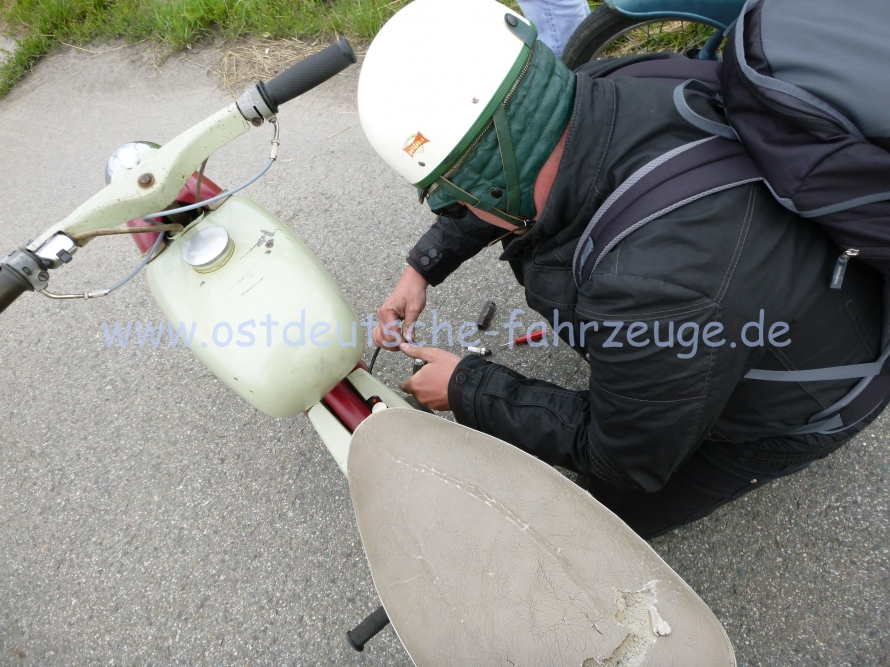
(40, 25)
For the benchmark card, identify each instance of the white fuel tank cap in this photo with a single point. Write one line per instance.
(208, 249)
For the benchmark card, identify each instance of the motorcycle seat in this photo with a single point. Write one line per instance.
(484, 555)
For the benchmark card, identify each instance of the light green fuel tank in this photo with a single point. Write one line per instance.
(265, 315)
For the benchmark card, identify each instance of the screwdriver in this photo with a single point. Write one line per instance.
(528, 338)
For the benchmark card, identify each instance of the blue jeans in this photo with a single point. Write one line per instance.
(556, 20)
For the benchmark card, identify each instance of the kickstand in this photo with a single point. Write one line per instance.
(365, 631)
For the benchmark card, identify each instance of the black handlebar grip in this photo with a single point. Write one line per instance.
(365, 630)
(12, 286)
(306, 74)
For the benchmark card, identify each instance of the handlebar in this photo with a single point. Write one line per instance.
(307, 74)
(128, 197)
(12, 286)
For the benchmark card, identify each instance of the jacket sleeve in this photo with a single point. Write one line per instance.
(648, 407)
(448, 244)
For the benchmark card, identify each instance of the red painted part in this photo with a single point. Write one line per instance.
(143, 241)
(347, 405)
(187, 194)
(185, 197)
(532, 337)
(361, 364)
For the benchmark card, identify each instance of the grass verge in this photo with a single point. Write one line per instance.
(40, 25)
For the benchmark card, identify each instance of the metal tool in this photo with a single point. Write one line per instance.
(485, 315)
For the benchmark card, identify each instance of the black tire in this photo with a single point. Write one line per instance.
(601, 35)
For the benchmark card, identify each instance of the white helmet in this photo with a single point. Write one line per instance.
(434, 77)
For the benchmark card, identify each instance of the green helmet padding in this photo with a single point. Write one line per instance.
(515, 145)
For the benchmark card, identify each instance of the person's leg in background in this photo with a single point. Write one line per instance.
(556, 20)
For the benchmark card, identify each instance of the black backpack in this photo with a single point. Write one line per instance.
(814, 127)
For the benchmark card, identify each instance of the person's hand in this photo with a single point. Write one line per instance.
(406, 302)
(429, 385)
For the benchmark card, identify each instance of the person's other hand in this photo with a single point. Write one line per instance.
(406, 302)
(429, 385)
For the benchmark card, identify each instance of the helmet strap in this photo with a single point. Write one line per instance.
(508, 160)
(527, 32)
(486, 203)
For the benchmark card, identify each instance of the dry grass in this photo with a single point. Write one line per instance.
(246, 61)
(41, 25)
(677, 36)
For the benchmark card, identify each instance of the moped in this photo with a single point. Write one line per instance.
(694, 28)
(480, 553)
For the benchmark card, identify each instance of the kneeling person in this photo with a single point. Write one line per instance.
(502, 140)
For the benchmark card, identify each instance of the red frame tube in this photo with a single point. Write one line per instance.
(344, 401)
(186, 197)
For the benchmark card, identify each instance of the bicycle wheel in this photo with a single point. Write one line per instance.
(610, 34)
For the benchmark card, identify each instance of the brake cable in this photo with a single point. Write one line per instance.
(161, 228)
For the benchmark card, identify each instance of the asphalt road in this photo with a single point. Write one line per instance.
(148, 516)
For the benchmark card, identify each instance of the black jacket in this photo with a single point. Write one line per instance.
(722, 259)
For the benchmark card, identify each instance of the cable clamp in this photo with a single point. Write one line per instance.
(275, 143)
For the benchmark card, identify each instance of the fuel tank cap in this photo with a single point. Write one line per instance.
(208, 249)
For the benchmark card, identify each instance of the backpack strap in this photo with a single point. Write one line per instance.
(863, 399)
(672, 180)
(683, 175)
(710, 126)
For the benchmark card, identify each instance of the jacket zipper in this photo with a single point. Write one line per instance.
(840, 267)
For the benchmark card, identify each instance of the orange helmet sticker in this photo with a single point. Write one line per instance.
(415, 144)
